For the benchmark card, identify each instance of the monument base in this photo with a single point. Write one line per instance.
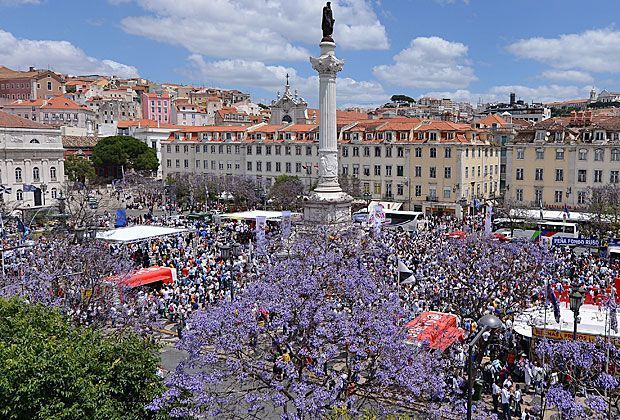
(328, 208)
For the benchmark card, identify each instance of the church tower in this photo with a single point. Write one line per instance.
(289, 108)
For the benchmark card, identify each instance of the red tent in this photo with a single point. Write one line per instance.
(439, 329)
(151, 275)
(457, 234)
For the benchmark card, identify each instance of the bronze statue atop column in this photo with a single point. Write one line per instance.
(328, 23)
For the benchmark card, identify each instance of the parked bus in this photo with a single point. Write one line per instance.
(535, 229)
(409, 221)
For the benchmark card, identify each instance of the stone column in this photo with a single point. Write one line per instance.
(327, 204)
(327, 65)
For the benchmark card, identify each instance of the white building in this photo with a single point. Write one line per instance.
(32, 154)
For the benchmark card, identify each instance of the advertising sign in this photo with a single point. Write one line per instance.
(563, 241)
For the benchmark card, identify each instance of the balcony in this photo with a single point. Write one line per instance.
(432, 198)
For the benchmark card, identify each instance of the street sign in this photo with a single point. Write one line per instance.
(563, 241)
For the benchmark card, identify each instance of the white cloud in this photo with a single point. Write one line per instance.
(543, 93)
(257, 74)
(18, 2)
(568, 76)
(61, 56)
(256, 30)
(596, 50)
(431, 63)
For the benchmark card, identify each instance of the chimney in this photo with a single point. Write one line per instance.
(31, 68)
(513, 98)
(573, 117)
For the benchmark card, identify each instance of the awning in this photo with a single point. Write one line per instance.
(137, 233)
(151, 275)
(253, 214)
(438, 329)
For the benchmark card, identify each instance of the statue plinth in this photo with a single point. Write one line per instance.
(327, 204)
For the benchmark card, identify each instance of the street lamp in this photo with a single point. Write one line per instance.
(488, 322)
(575, 301)
(368, 197)
(463, 203)
(43, 190)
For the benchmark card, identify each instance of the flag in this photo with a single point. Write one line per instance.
(121, 218)
(29, 188)
(541, 214)
(554, 302)
(5, 190)
(261, 224)
(487, 221)
(566, 212)
(23, 229)
(613, 309)
(286, 224)
(404, 273)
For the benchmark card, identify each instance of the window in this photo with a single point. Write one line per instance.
(540, 153)
(598, 155)
(388, 152)
(538, 195)
(559, 175)
(558, 196)
(400, 190)
(366, 170)
(18, 175)
(309, 151)
(418, 152)
(168, 163)
(519, 194)
(366, 151)
(36, 175)
(581, 175)
(228, 150)
(583, 154)
(447, 153)
(539, 174)
(53, 173)
(418, 190)
(356, 170)
(598, 176)
(366, 187)
(287, 150)
(297, 150)
(447, 172)
(20, 195)
(259, 166)
(298, 167)
(432, 172)
(400, 170)
(377, 188)
(615, 155)
(168, 149)
(268, 166)
(400, 152)
(388, 188)
(446, 192)
(186, 163)
(278, 167)
(259, 150)
(614, 177)
(388, 170)
(432, 136)
(581, 197)
(559, 154)
(377, 151)
(185, 149)
(519, 175)
(418, 171)
(49, 85)
(345, 151)
(177, 163)
(466, 172)
(33, 141)
(433, 152)
(540, 135)
(54, 193)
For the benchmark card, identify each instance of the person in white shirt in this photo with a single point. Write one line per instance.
(495, 392)
(506, 402)
(517, 401)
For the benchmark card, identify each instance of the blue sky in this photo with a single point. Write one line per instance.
(542, 49)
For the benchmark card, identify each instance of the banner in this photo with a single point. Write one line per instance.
(285, 224)
(121, 218)
(377, 217)
(261, 225)
(564, 241)
(487, 221)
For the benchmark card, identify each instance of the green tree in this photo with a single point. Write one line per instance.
(116, 152)
(285, 192)
(51, 369)
(402, 98)
(79, 169)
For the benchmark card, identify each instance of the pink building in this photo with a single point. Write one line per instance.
(156, 107)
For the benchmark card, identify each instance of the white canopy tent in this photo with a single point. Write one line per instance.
(594, 321)
(137, 233)
(253, 214)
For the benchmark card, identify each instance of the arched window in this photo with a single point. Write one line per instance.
(18, 174)
(36, 175)
(20, 195)
(34, 141)
(53, 173)
(54, 193)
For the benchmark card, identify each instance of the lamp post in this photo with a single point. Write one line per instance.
(367, 197)
(463, 203)
(576, 300)
(43, 190)
(488, 322)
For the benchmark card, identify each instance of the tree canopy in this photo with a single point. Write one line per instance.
(285, 192)
(124, 151)
(79, 169)
(53, 369)
(402, 98)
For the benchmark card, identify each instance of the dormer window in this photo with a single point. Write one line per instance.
(177, 136)
(540, 135)
(420, 136)
(368, 136)
(388, 136)
(432, 136)
(559, 135)
(599, 135)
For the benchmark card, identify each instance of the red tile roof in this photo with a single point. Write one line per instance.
(144, 123)
(60, 102)
(493, 119)
(13, 121)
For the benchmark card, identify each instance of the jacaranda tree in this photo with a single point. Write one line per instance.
(320, 331)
